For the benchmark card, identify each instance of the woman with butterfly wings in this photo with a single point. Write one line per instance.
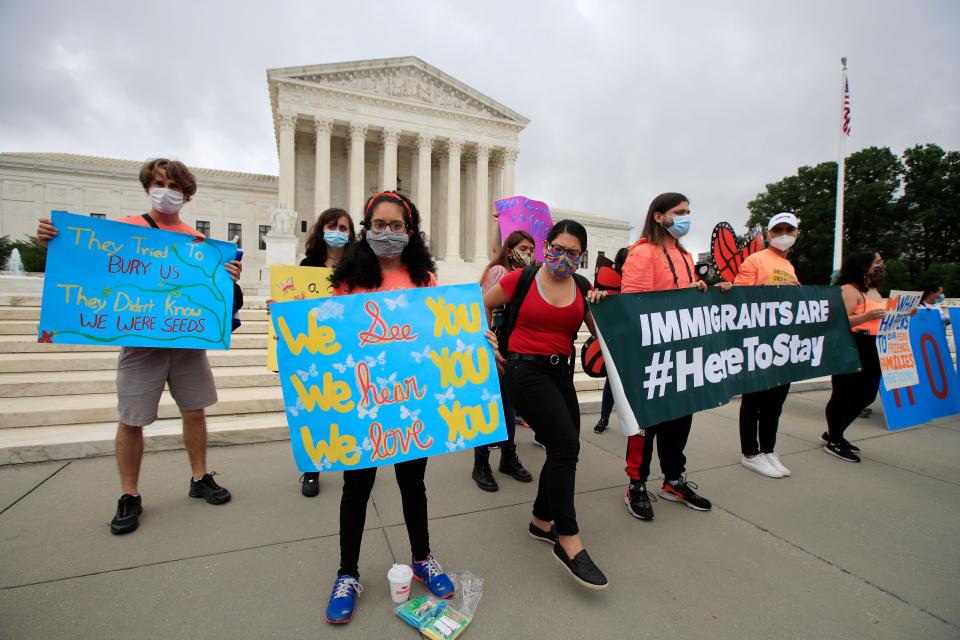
(516, 253)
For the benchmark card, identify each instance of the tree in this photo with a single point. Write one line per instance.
(931, 205)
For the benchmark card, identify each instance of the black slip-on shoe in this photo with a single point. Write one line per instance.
(310, 484)
(207, 488)
(582, 568)
(550, 537)
(127, 518)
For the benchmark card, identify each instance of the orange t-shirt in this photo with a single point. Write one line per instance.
(180, 227)
(648, 269)
(391, 282)
(867, 304)
(765, 267)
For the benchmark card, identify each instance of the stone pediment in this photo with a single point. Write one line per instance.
(401, 79)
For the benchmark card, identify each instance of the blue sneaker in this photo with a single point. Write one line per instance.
(431, 574)
(342, 600)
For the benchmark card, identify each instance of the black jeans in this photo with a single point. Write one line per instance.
(508, 446)
(544, 394)
(606, 401)
(760, 413)
(671, 437)
(357, 485)
(853, 392)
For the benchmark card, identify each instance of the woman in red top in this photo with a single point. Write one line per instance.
(860, 274)
(540, 384)
(657, 262)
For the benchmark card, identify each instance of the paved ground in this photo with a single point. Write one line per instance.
(837, 551)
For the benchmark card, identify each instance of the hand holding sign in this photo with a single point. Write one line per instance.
(523, 214)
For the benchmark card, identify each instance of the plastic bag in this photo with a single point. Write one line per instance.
(468, 588)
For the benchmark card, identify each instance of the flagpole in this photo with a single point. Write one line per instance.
(841, 175)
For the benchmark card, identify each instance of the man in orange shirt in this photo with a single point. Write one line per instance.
(142, 372)
(760, 411)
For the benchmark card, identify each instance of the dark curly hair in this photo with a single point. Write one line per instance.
(360, 269)
(855, 267)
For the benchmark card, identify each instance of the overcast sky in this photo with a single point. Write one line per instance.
(625, 99)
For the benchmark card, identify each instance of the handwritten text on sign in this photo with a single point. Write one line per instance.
(294, 283)
(893, 341)
(527, 215)
(379, 378)
(122, 284)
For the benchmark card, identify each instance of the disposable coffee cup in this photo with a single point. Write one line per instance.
(399, 578)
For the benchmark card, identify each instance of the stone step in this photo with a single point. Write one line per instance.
(100, 360)
(29, 344)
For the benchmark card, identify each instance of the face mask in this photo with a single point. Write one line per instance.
(680, 226)
(521, 259)
(940, 299)
(387, 244)
(783, 242)
(166, 201)
(559, 263)
(335, 239)
(878, 273)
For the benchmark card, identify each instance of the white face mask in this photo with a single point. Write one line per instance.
(167, 201)
(783, 242)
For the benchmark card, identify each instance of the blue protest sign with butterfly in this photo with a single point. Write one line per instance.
(379, 378)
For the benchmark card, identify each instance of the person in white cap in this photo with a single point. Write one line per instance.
(760, 411)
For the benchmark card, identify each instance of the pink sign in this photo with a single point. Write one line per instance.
(527, 215)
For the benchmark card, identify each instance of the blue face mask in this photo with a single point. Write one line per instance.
(335, 239)
(940, 299)
(680, 226)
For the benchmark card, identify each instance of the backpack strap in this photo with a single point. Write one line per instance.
(150, 221)
(513, 309)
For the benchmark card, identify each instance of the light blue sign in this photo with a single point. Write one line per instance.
(122, 284)
(937, 394)
(379, 378)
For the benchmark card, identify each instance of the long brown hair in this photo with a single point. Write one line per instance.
(316, 247)
(502, 255)
(653, 231)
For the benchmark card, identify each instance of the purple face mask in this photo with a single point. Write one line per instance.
(559, 263)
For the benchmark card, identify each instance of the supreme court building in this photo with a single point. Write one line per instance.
(343, 131)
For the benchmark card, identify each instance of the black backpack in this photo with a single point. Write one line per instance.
(512, 310)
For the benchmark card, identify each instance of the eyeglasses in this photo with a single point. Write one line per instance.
(573, 255)
(396, 226)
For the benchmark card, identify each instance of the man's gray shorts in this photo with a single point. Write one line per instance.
(142, 373)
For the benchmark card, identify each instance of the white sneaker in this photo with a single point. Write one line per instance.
(774, 461)
(760, 464)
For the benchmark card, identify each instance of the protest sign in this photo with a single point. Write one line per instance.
(527, 215)
(937, 392)
(294, 283)
(893, 340)
(379, 378)
(672, 353)
(122, 284)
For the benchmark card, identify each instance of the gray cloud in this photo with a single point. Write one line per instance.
(626, 99)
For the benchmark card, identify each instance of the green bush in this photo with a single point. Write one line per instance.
(6, 247)
(33, 254)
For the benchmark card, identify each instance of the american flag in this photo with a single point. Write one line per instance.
(846, 106)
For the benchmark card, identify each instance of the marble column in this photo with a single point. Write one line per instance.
(321, 194)
(496, 193)
(287, 124)
(424, 169)
(358, 138)
(481, 213)
(391, 138)
(468, 216)
(510, 172)
(454, 148)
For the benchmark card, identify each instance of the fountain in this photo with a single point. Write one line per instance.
(14, 264)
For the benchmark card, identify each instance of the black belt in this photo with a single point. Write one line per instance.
(529, 357)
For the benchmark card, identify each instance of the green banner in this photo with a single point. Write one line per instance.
(673, 353)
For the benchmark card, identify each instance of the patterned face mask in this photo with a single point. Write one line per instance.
(878, 273)
(559, 263)
(387, 244)
(521, 258)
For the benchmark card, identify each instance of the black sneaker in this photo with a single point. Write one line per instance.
(483, 476)
(683, 492)
(544, 536)
(841, 452)
(207, 488)
(825, 440)
(510, 464)
(601, 425)
(638, 501)
(128, 515)
(581, 567)
(310, 484)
